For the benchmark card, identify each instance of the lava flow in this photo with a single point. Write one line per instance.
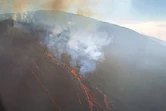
(90, 97)
(46, 89)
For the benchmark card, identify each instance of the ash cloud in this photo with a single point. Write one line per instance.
(82, 7)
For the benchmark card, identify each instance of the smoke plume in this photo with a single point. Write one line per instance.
(83, 48)
(62, 4)
(82, 7)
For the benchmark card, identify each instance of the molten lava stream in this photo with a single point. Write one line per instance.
(90, 97)
(46, 89)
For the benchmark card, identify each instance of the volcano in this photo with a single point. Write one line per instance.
(131, 76)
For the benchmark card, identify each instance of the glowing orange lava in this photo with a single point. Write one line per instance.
(46, 89)
(90, 97)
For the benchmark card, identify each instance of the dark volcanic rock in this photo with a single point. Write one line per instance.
(20, 55)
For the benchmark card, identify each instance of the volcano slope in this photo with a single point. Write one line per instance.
(30, 80)
(133, 72)
(132, 75)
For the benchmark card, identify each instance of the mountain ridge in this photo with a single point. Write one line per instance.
(9, 15)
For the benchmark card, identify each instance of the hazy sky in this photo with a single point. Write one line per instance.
(145, 16)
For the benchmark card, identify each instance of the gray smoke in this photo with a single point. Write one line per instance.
(84, 47)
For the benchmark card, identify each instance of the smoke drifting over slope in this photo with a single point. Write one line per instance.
(80, 44)
(83, 48)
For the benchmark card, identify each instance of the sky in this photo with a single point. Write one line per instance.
(144, 16)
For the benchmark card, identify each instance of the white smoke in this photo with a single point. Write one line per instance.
(83, 47)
